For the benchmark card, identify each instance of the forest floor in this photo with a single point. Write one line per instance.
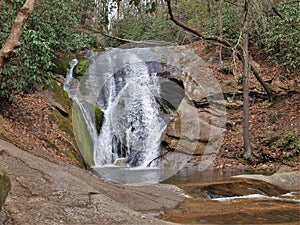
(274, 127)
(33, 123)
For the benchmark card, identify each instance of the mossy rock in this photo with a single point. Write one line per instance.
(82, 66)
(83, 138)
(60, 95)
(4, 135)
(65, 122)
(99, 118)
(82, 134)
(61, 65)
(4, 188)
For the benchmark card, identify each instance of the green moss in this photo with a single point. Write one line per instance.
(80, 162)
(61, 65)
(163, 61)
(99, 118)
(83, 65)
(65, 123)
(101, 49)
(4, 188)
(4, 135)
(60, 95)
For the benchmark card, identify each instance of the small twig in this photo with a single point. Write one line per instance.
(272, 6)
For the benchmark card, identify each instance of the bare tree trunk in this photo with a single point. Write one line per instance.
(1, 2)
(246, 135)
(208, 7)
(12, 42)
(220, 27)
(118, 10)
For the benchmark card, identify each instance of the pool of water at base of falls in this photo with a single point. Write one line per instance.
(129, 175)
(239, 209)
(258, 208)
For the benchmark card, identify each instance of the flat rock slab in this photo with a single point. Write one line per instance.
(46, 193)
(286, 180)
(237, 187)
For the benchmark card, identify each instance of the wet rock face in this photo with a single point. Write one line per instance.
(4, 188)
(188, 93)
(232, 188)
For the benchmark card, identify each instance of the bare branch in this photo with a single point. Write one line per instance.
(222, 42)
(233, 3)
(12, 42)
(272, 6)
(132, 41)
(194, 31)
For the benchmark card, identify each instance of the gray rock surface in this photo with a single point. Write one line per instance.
(287, 180)
(47, 193)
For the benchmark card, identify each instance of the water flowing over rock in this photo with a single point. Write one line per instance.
(155, 101)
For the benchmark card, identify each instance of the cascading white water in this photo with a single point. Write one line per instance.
(127, 84)
(133, 125)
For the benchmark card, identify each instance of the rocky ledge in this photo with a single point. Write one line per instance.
(46, 193)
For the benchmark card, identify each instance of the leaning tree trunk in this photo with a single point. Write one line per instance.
(12, 42)
(246, 135)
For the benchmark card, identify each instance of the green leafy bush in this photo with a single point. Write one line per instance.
(52, 29)
(288, 145)
(282, 41)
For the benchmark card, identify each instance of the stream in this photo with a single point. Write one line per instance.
(215, 197)
(160, 107)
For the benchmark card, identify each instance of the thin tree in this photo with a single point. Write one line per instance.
(246, 135)
(220, 27)
(12, 42)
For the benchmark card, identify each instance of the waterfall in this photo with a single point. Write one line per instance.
(133, 124)
(150, 126)
(69, 76)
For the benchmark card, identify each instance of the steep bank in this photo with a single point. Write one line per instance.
(274, 127)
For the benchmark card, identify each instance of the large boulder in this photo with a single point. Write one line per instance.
(286, 180)
(4, 188)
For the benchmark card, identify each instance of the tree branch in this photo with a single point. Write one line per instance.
(194, 31)
(128, 40)
(12, 42)
(272, 6)
(220, 41)
(233, 3)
